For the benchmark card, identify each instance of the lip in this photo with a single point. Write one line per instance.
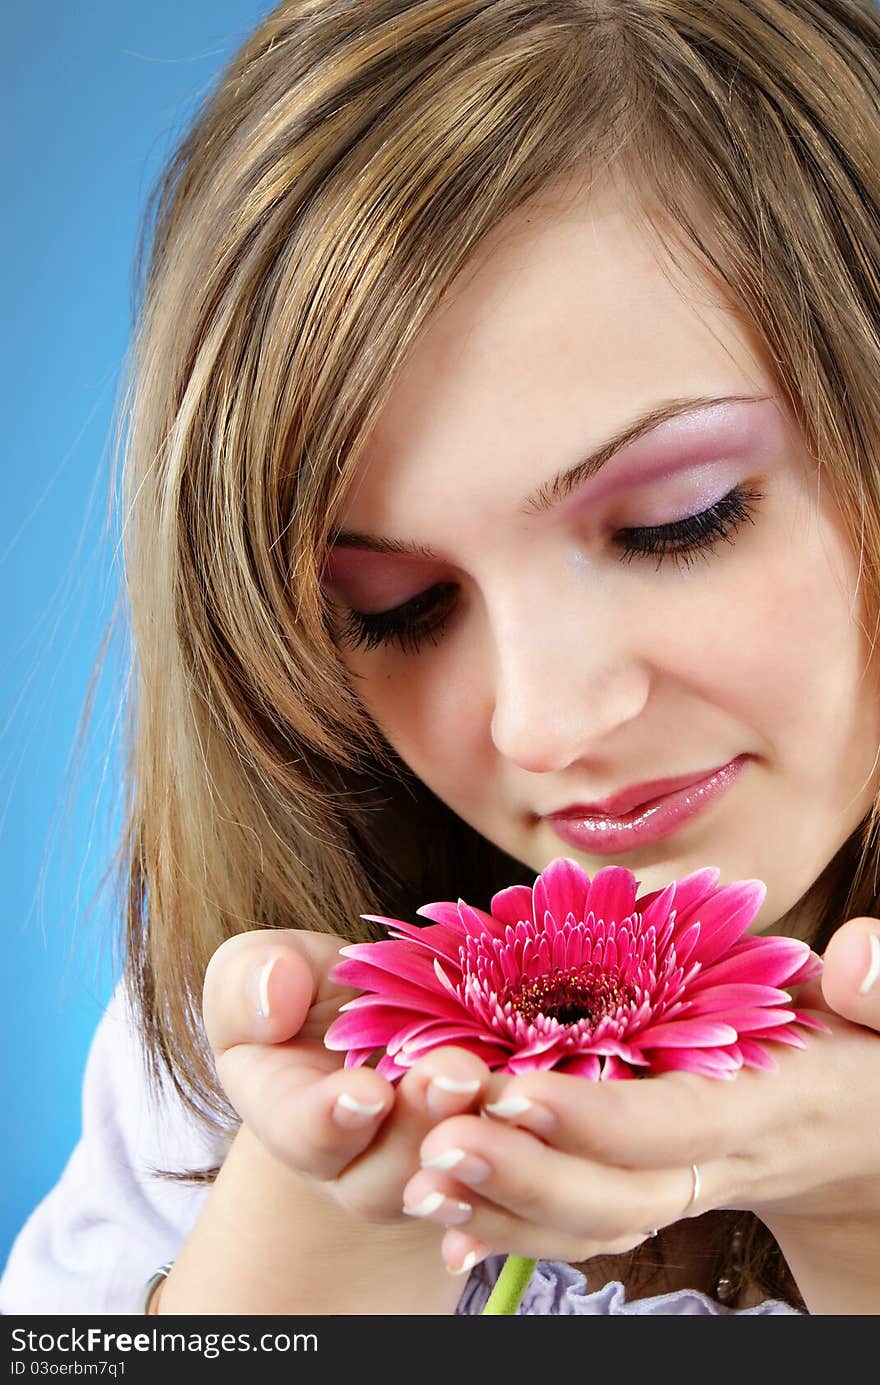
(645, 813)
(633, 797)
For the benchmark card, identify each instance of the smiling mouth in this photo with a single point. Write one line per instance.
(649, 821)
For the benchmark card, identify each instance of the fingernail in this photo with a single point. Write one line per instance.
(510, 1106)
(467, 1167)
(444, 1209)
(449, 1084)
(352, 1114)
(870, 976)
(540, 1120)
(259, 987)
(440, 1087)
(472, 1258)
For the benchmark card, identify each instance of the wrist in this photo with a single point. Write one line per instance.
(268, 1240)
(835, 1263)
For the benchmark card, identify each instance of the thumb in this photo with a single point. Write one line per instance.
(851, 974)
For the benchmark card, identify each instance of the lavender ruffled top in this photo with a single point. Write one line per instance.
(558, 1289)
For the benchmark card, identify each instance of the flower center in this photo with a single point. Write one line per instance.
(570, 997)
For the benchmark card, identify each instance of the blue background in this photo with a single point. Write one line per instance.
(94, 97)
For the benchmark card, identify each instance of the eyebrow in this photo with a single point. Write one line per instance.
(553, 492)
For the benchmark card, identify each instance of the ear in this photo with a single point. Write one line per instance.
(851, 976)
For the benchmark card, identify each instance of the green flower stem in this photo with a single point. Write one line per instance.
(510, 1285)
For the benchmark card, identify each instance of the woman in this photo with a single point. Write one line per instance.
(412, 266)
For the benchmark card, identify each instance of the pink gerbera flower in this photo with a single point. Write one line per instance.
(579, 975)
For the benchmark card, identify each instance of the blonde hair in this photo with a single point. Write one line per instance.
(350, 162)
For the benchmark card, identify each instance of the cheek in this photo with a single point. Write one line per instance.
(792, 656)
(434, 709)
(420, 705)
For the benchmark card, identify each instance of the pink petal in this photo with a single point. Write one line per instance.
(561, 889)
(701, 1032)
(366, 1029)
(726, 916)
(686, 942)
(356, 1057)
(386, 1067)
(744, 1021)
(812, 966)
(443, 941)
(413, 1028)
(811, 1021)
(384, 920)
(755, 1055)
(400, 959)
(690, 892)
(613, 893)
(434, 1035)
(582, 1065)
(406, 997)
(513, 904)
(616, 1070)
(547, 1043)
(782, 1034)
(477, 923)
(444, 913)
(445, 981)
(703, 1062)
(532, 1062)
(655, 914)
(732, 997)
(560, 949)
(771, 962)
(613, 1048)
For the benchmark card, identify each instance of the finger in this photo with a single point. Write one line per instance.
(314, 1120)
(851, 974)
(264, 986)
(443, 1083)
(673, 1120)
(461, 1252)
(466, 1212)
(267, 1004)
(534, 1183)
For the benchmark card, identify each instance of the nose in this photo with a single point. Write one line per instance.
(562, 687)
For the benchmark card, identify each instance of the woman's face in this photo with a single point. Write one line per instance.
(553, 652)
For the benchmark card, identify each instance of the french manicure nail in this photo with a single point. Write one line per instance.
(454, 1213)
(867, 982)
(510, 1106)
(449, 1084)
(467, 1167)
(447, 1160)
(352, 1114)
(541, 1120)
(437, 1102)
(467, 1263)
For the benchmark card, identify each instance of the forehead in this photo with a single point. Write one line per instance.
(572, 320)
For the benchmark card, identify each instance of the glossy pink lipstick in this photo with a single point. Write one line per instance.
(597, 829)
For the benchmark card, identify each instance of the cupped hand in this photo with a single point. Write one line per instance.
(567, 1169)
(267, 1003)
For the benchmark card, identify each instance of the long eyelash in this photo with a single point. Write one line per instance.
(423, 618)
(406, 625)
(694, 536)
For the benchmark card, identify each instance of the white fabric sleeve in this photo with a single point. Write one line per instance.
(96, 1238)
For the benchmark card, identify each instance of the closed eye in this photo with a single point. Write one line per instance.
(424, 616)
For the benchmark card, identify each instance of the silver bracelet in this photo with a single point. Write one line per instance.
(161, 1273)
